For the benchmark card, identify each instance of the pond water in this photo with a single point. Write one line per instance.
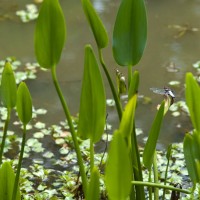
(166, 45)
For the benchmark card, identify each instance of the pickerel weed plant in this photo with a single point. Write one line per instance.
(123, 171)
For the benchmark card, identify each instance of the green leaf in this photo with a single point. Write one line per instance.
(7, 179)
(118, 174)
(94, 186)
(130, 32)
(96, 25)
(8, 87)
(24, 104)
(192, 95)
(191, 147)
(127, 122)
(50, 34)
(93, 104)
(150, 146)
(133, 88)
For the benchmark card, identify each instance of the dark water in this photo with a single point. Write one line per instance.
(163, 47)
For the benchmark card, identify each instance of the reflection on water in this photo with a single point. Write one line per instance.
(17, 40)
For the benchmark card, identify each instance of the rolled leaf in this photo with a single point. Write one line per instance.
(7, 179)
(96, 25)
(24, 103)
(94, 186)
(150, 146)
(192, 95)
(127, 122)
(130, 32)
(8, 87)
(50, 33)
(93, 103)
(118, 173)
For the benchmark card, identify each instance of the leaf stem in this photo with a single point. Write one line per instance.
(168, 187)
(16, 184)
(155, 171)
(114, 93)
(74, 137)
(91, 156)
(4, 134)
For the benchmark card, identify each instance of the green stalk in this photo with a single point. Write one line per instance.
(165, 182)
(16, 184)
(5, 134)
(114, 93)
(168, 187)
(91, 156)
(137, 170)
(155, 170)
(129, 75)
(150, 188)
(68, 117)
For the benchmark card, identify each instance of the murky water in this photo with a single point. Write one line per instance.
(165, 45)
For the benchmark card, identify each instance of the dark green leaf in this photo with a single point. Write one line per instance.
(191, 147)
(7, 179)
(130, 32)
(192, 95)
(93, 104)
(118, 174)
(150, 146)
(126, 125)
(96, 25)
(94, 186)
(24, 103)
(8, 87)
(50, 34)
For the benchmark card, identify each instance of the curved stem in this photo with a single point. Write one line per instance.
(68, 116)
(16, 184)
(4, 134)
(148, 184)
(114, 93)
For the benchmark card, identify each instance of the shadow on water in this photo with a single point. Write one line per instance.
(166, 46)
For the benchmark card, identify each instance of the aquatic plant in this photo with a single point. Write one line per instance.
(123, 167)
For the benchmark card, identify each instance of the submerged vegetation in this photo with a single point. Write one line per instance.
(126, 171)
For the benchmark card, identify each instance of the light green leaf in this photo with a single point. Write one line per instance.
(192, 95)
(7, 179)
(96, 25)
(24, 104)
(50, 33)
(93, 102)
(8, 87)
(191, 147)
(133, 88)
(118, 174)
(126, 125)
(94, 186)
(130, 32)
(150, 146)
